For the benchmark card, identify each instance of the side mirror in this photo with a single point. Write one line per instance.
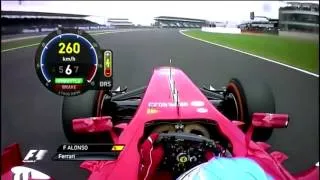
(92, 124)
(267, 120)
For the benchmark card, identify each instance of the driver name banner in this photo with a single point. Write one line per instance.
(81, 152)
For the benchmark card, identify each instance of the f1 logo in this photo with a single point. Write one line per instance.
(25, 173)
(34, 155)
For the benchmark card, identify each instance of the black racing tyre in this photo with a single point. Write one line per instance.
(251, 97)
(82, 106)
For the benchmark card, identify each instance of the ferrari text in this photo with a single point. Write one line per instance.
(66, 156)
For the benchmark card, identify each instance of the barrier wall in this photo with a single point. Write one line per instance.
(28, 30)
(301, 35)
(221, 30)
(272, 32)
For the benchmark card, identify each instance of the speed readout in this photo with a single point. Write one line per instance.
(67, 61)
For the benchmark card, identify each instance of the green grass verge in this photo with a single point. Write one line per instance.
(303, 54)
(18, 43)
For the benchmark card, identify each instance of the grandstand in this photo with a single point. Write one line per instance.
(15, 22)
(299, 17)
(178, 22)
(119, 23)
(260, 25)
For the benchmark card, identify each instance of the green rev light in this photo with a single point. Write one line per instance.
(68, 80)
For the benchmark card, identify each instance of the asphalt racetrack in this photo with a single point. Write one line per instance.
(31, 115)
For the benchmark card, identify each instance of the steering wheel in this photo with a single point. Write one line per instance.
(184, 151)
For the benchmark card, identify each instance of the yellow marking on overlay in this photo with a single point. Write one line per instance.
(117, 147)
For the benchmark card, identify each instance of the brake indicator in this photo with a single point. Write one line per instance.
(107, 63)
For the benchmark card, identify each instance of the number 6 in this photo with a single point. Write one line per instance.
(68, 70)
(69, 48)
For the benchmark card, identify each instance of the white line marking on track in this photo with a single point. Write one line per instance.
(22, 38)
(20, 47)
(260, 57)
(29, 45)
(43, 35)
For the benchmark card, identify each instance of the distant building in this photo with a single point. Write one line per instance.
(178, 22)
(299, 17)
(119, 23)
(265, 25)
(220, 24)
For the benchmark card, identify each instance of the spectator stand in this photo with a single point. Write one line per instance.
(299, 17)
(119, 23)
(16, 22)
(179, 22)
(260, 25)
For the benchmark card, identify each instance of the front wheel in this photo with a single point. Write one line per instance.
(248, 97)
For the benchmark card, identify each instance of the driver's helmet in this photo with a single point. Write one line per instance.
(227, 169)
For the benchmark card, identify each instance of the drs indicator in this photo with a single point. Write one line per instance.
(108, 64)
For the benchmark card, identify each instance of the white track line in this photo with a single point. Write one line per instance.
(260, 57)
(38, 36)
(90, 32)
(21, 38)
(20, 47)
(33, 37)
(29, 45)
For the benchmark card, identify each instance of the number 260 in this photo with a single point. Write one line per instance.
(69, 48)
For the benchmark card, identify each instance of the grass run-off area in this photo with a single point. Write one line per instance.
(303, 54)
(19, 43)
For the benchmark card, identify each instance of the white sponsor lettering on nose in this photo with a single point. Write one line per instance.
(197, 103)
(202, 110)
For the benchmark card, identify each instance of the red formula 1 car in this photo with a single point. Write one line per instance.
(171, 126)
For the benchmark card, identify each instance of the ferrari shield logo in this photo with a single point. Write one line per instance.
(152, 111)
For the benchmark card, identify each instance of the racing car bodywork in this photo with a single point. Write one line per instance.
(174, 107)
(186, 117)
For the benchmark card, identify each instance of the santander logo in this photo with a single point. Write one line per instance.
(25, 173)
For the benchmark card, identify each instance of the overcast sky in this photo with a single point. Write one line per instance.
(143, 12)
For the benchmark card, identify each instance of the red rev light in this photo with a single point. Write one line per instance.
(107, 72)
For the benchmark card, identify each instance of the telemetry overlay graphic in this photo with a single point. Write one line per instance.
(69, 62)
